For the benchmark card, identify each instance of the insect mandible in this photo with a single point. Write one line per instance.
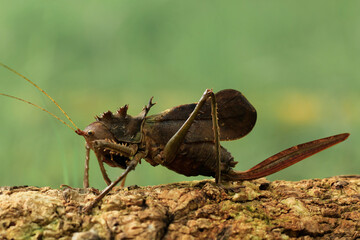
(185, 139)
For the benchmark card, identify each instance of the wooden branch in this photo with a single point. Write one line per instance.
(309, 209)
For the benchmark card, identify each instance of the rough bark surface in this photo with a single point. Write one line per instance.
(309, 209)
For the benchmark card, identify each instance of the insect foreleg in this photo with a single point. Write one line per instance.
(127, 151)
(86, 173)
(102, 168)
(99, 145)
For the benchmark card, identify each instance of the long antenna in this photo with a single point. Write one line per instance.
(6, 95)
(40, 89)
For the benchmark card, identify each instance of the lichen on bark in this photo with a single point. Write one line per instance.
(308, 209)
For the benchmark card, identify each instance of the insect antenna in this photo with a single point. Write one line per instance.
(43, 109)
(40, 89)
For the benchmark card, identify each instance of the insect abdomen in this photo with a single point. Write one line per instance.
(199, 159)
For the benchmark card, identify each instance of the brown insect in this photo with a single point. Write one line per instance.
(185, 139)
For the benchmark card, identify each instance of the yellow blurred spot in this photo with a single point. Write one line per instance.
(351, 110)
(299, 108)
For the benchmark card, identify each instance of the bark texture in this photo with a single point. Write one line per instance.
(309, 209)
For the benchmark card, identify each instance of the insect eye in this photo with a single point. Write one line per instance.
(90, 133)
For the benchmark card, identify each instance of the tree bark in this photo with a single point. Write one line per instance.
(308, 209)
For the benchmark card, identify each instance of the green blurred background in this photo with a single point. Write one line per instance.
(298, 63)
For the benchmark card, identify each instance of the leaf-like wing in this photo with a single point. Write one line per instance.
(236, 116)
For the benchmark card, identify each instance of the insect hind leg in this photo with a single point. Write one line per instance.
(214, 116)
(173, 145)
